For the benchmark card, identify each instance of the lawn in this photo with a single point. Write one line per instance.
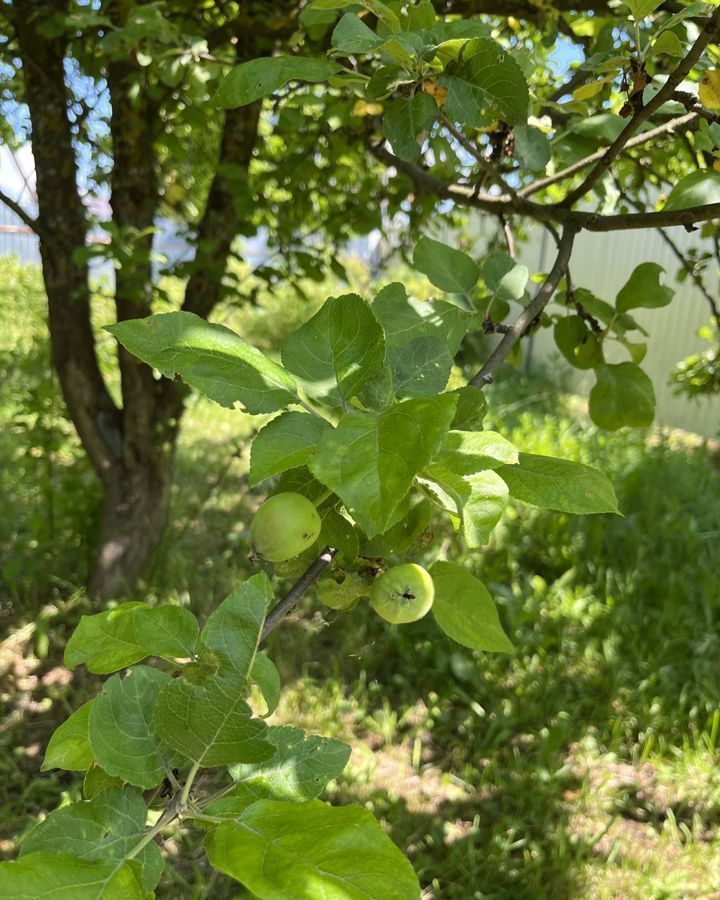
(585, 765)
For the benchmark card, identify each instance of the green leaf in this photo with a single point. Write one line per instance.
(482, 507)
(255, 79)
(370, 459)
(339, 533)
(60, 876)
(208, 720)
(577, 343)
(211, 724)
(696, 189)
(532, 147)
(377, 392)
(643, 289)
(623, 395)
(420, 368)
(642, 8)
(385, 80)
(69, 747)
(598, 308)
(351, 35)
(298, 770)
(485, 83)
(96, 780)
(421, 15)
(471, 408)
(336, 351)
(559, 484)
(478, 500)
(120, 727)
(287, 442)
(404, 318)
(406, 122)
(310, 850)
(505, 278)
(381, 10)
(448, 269)
(668, 43)
(107, 827)
(122, 636)
(467, 452)
(232, 631)
(465, 611)
(404, 533)
(266, 676)
(637, 350)
(211, 358)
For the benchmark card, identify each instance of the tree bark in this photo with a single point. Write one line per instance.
(132, 449)
(137, 495)
(137, 487)
(62, 226)
(133, 518)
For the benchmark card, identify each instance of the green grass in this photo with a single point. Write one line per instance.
(582, 766)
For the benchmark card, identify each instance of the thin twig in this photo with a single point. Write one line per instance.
(644, 112)
(509, 239)
(665, 128)
(531, 311)
(31, 223)
(294, 595)
(478, 155)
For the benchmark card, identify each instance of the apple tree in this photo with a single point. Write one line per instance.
(373, 432)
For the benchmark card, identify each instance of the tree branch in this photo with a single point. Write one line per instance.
(220, 222)
(666, 127)
(531, 311)
(306, 580)
(662, 219)
(27, 219)
(62, 227)
(506, 205)
(644, 113)
(485, 164)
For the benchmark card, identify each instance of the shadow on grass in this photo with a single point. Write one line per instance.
(615, 623)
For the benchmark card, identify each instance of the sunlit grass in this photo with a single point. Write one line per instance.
(583, 766)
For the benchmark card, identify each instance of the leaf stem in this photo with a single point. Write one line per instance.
(192, 774)
(202, 817)
(165, 819)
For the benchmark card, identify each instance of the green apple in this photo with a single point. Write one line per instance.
(284, 526)
(403, 594)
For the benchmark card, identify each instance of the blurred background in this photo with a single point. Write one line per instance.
(583, 766)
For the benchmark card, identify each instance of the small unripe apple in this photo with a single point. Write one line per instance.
(403, 594)
(284, 526)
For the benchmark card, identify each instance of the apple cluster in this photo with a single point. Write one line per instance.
(287, 524)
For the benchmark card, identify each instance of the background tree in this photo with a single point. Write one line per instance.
(128, 85)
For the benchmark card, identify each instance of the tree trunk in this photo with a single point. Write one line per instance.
(61, 227)
(133, 518)
(132, 449)
(137, 487)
